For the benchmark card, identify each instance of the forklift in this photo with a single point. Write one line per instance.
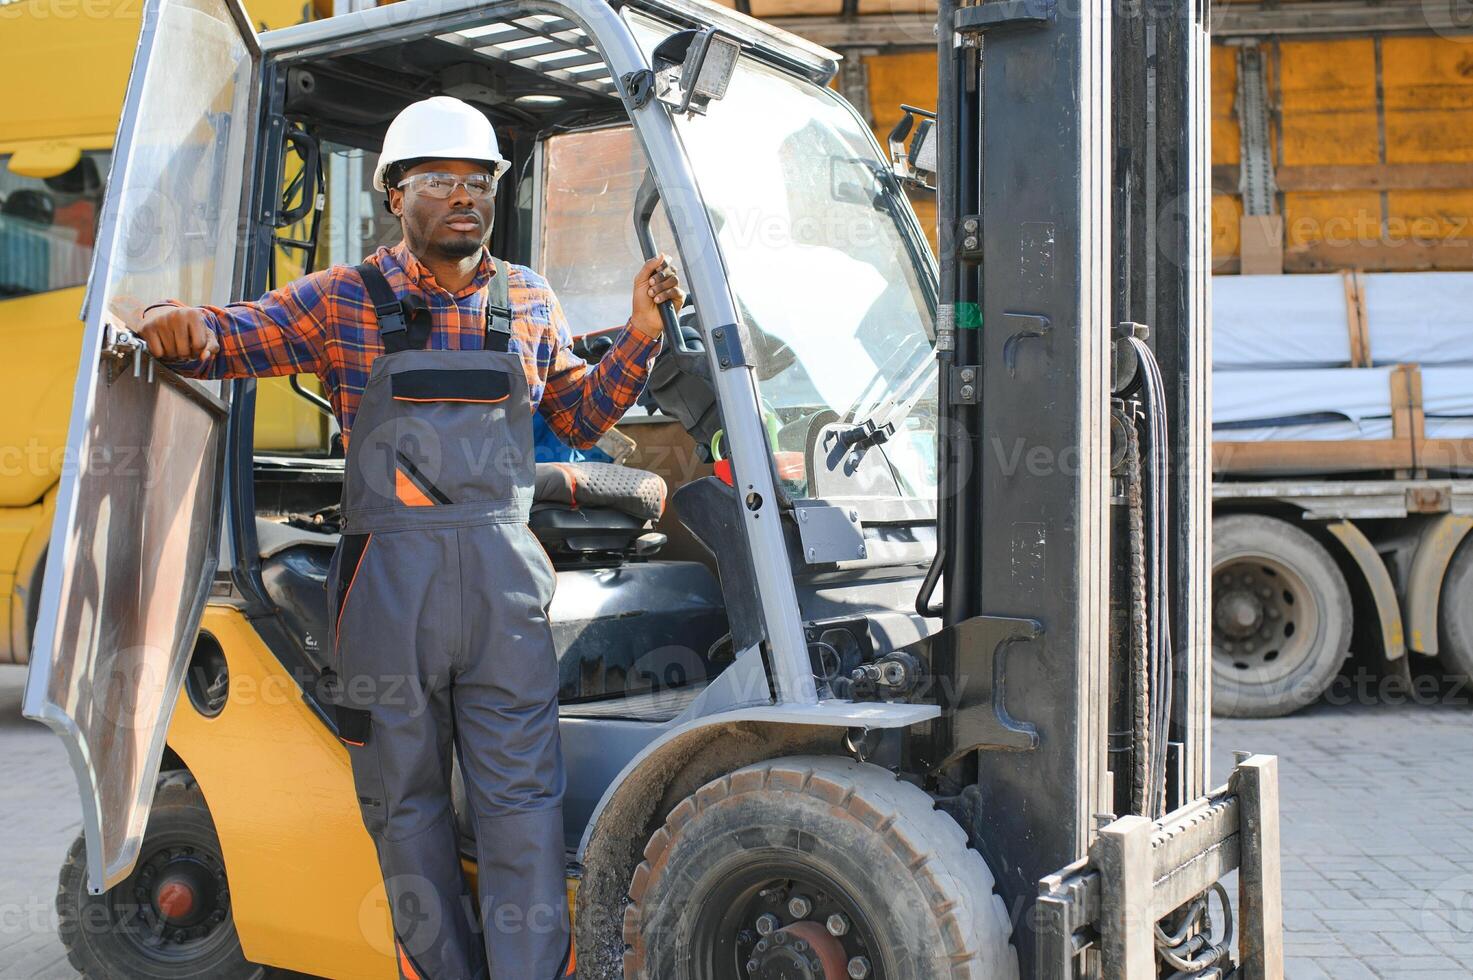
(883, 638)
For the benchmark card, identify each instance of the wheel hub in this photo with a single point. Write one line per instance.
(766, 923)
(1239, 613)
(179, 899)
(175, 899)
(1261, 619)
(801, 951)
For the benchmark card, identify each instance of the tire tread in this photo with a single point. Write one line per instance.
(970, 915)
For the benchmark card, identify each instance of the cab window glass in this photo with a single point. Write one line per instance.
(354, 222)
(47, 226)
(588, 244)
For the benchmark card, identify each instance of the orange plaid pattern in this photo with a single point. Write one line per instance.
(324, 324)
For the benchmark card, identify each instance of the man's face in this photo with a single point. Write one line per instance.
(455, 227)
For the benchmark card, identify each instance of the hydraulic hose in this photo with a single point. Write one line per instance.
(1189, 948)
(1157, 474)
(1142, 776)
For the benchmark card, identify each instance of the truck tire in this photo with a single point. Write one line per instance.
(171, 917)
(1281, 617)
(33, 610)
(1455, 613)
(800, 867)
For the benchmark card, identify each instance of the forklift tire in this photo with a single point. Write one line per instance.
(814, 866)
(1281, 617)
(1455, 614)
(124, 933)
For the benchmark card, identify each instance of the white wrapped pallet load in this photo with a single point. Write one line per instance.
(1243, 399)
(1283, 349)
(1278, 322)
(1447, 392)
(1419, 317)
(1330, 431)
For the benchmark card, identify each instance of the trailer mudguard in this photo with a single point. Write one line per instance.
(1435, 552)
(1378, 580)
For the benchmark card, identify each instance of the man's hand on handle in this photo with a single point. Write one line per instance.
(178, 332)
(655, 283)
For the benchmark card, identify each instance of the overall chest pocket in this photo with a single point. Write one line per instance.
(458, 436)
(482, 386)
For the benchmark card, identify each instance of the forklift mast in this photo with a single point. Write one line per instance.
(1072, 177)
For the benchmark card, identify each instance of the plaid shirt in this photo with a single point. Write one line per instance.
(323, 323)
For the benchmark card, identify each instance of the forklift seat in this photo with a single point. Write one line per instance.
(579, 509)
(573, 504)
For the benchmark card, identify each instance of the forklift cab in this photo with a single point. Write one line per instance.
(784, 758)
(790, 415)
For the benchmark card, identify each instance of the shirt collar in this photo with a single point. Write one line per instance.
(421, 278)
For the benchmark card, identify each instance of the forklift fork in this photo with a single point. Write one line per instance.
(1140, 871)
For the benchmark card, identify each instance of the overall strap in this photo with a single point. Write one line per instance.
(393, 325)
(498, 309)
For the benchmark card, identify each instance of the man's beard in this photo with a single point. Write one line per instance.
(463, 247)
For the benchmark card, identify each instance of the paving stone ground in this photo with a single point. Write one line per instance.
(39, 818)
(1377, 821)
(1377, 815)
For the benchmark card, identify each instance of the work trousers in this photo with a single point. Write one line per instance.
(442, 639)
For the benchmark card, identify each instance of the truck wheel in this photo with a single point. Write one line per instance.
(1281, 617)
(1455, 612)
(33, 612)
(171, 917)
(813, 867)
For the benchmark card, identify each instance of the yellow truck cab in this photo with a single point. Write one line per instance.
(55, 155)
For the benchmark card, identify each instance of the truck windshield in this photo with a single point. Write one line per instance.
(823, 258)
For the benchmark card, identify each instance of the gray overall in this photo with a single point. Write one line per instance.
(438, 593)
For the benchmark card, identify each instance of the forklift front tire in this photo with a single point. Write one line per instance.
(171, 917)
(814, 866)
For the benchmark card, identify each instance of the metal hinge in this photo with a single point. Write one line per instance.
(639, 87)
(122, 348)
(729, 343)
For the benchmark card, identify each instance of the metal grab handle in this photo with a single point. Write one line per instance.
(306, 147)
(644, 211)
(323, 405)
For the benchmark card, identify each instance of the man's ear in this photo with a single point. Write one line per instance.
(395, 202)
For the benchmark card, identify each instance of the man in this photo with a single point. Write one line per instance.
(438, 354)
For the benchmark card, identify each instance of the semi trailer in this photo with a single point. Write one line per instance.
(1343, 485)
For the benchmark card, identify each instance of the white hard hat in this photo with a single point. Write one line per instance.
(441, 128)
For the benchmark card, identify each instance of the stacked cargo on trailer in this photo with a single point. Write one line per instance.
(1343, 450)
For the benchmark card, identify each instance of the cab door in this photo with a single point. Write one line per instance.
(135, 542)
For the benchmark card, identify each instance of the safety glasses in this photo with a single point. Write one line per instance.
(442, 185)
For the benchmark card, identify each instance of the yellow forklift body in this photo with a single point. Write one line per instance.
(305, 889)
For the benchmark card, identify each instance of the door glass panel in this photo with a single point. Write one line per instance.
(834, 286)
(135, 542)
(178, 207)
